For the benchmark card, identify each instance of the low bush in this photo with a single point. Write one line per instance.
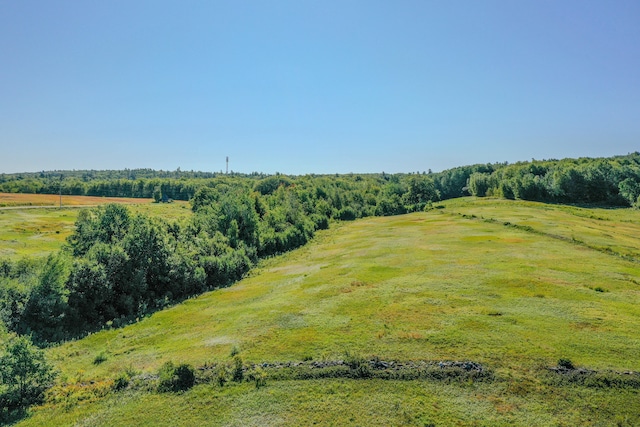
(566, 364)
(121, 382)
(175, 378)
(100, 358)
(237, 373)
(258, 376)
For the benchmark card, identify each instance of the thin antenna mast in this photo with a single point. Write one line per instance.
(227, 165)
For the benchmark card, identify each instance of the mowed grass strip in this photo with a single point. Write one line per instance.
(424, 286)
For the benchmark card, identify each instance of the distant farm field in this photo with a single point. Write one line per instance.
(34, 225)
(515, 287)
(14, 199)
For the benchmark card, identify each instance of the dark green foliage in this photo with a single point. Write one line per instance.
(611, 181)
(478, 184)
(566, 364)
(346, 214)
(390, 205)
(44, 312)
(90, 295)
(177, 185)
(630, 191)
(106, 224)
(221, 375)
(582, 180)
(24, 375)
(157, 195)
(359, 367)
(258, 376)
(121, 382)
(174, 378)
(100, 358)
(234, 351)
(237, 372)
(421, 190)
(14, 296)
(321, 222)
(269, 185)
(453, 182)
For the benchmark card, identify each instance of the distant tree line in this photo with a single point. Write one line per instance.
(611, 181)
(137, 183)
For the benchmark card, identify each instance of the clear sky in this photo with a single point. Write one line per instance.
(317, 86)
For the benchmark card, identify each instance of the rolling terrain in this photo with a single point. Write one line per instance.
(511, 287)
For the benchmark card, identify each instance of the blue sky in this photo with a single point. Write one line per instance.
(315, 86)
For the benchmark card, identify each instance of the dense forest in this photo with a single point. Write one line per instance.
(607, 181)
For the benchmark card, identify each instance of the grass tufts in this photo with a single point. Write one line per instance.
(100, 358)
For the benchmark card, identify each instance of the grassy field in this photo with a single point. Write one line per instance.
(510, 285)
(31, 225)
(14, 199)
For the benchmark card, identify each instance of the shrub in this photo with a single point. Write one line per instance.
(359, 367)
(566, 363)
(100, 357)
(321, 222)
(121, 382)
(347, 214)
(221, 375)
(237, 374)
(259, 376)
(176, 378)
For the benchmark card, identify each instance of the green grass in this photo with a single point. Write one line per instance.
(341, 402)
(612, 230)
(34, 232)
(425, 286)
(41, 231)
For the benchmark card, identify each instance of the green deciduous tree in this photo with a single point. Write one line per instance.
(630, 191)
(421, 190)
(478, 184)
(45, 310)
(24, 375)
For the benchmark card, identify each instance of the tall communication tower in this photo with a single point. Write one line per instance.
(227, 165)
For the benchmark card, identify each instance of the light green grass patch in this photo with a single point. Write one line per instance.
(41, 231)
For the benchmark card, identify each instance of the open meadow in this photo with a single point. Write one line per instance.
(34, 225)
(512, 289)
(53, 200)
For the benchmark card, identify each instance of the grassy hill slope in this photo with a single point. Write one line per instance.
(512, 286)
